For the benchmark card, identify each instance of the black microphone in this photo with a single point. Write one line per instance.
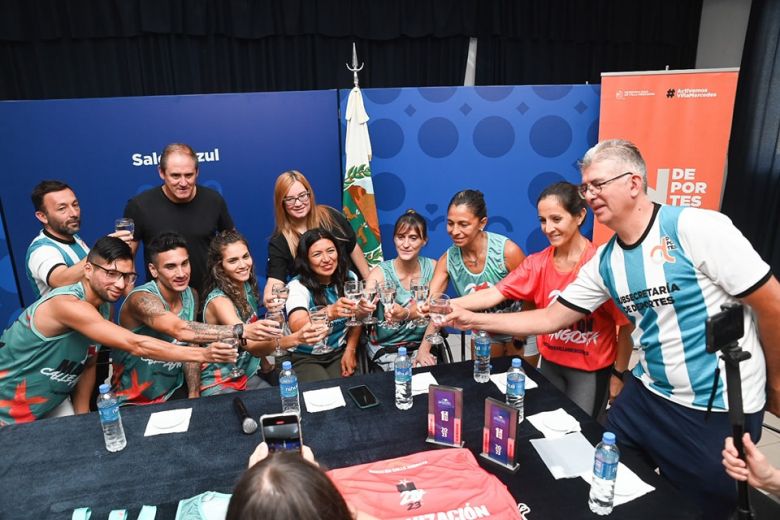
(248, 425)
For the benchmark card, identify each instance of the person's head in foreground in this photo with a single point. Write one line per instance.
(286, 486)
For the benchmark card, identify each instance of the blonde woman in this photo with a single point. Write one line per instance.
(295, 212)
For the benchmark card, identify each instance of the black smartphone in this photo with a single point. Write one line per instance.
(726, 327)
(363, 396)
(281, 431)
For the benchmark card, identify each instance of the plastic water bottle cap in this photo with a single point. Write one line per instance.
(401, 351)
(104, 388)
(286, 365)
(608, 438)
(516, 363)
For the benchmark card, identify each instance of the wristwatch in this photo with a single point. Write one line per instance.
(238, 330)
(618, 373)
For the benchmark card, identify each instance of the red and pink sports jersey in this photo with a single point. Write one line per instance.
(591, 343)
(424, 485)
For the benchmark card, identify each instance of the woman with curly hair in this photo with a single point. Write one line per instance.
(232, 298)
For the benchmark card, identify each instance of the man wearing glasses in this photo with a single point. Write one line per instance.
(180, 205)
(668, 268)
(44, 354)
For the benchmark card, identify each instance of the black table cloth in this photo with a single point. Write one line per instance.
(51, 467)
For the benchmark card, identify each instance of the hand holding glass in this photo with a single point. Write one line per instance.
(277, 317)
(420, 291)
(370, 290)
(124, 224)
(235, 371)
(439, 308)
(353, 292)
(280, 293)
(387, 296)
(318, 316)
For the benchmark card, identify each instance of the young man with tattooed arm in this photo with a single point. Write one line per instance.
(165, 308)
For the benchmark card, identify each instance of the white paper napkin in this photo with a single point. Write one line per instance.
(554, 424)
(169, 421)
(323, 399)
(628, 485)
(567, 456)
(421, 381)
(500, 381)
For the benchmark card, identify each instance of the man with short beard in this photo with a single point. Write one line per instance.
(56, 257)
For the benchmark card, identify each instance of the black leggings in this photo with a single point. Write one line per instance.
(589, 390)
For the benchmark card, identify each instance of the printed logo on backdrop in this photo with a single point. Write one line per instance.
(153, 159)
(621, 94)
(687, 93)
(684, 188)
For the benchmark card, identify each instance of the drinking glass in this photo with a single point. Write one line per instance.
(235, 371)
(318, 316)
(124, 224)
(387, 297)
(420, 290)
(439, 308)
(353, 292)
(370, 290)
(280, 293)
(278, 317)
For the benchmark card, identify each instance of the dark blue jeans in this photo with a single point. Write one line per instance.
(678, 441)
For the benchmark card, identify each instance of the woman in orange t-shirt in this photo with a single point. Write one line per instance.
(589, 357)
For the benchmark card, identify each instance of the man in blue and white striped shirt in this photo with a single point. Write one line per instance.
(669, 269)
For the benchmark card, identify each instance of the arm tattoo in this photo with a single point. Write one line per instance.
(207, 332)
(148, 307)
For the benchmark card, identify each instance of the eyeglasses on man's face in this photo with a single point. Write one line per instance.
(112, 275)
(303, 198)
(595, 187)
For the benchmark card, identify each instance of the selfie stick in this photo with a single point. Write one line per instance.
(732, 356)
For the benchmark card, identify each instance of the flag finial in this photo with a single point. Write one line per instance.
(354, 68)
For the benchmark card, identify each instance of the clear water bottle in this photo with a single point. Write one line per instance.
(602, 487)
(515, 388)
(111, 420)
(288, 387)
(482, 357)
(403, 380)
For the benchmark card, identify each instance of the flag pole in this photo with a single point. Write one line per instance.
(354, 68)
(359, 204)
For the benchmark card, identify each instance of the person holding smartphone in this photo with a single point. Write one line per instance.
(322, 273)
(288, 485)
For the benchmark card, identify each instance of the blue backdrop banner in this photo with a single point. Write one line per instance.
(428, 143)
(107, 150)
(10, 301)
(508, 142)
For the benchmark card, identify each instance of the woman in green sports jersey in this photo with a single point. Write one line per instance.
(232, 298)
(409, 236)
(322, 270)
(477, 260)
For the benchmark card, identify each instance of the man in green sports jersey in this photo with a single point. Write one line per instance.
(162, 309)
(44, 355)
